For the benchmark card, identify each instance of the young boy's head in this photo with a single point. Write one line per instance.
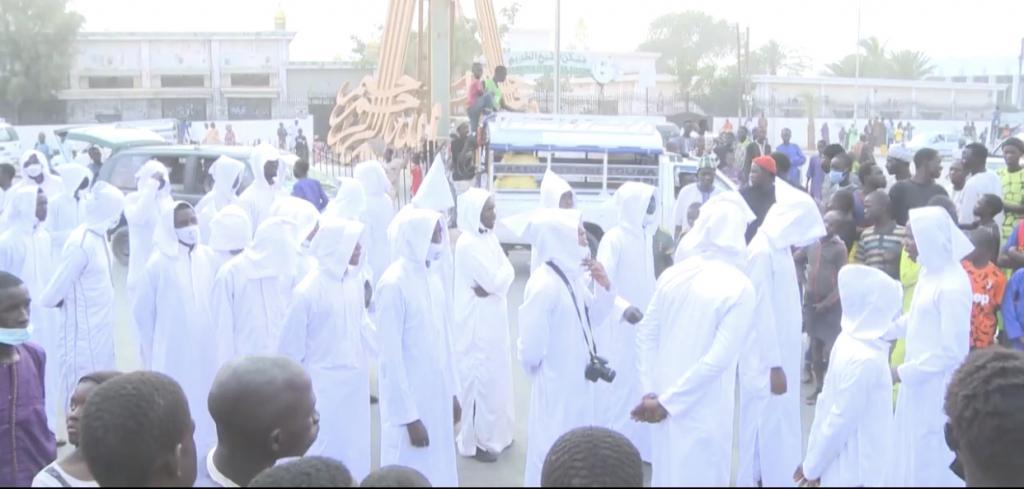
(83, 391)
(264, 406)
(986, 246)
(842, 201)
(136, 430)
(395, 476)
(833, 223)
(945, 203)
(305, 472)
(592, 457)
(14, 309)
(301, 168)
(988, 207)
(985, 406)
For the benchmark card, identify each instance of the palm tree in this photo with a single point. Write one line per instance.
(910, 65)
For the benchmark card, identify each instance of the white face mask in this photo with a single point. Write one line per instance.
(649, 219)
(34, 170)
(114, 222)
(435, 251)
(15, 336)
(188, 235)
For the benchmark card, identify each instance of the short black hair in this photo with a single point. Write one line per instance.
(843, 199)
(1013, 141)
(100, 377)
(843, 157)
(301, 168)
(832, 150)
(985, 406)
(978, 151)
(864, 171)
(994, 202)
(305, 472)
(592, 457)
(7, 170)
(129, 423)
(395, 476)
(500, 69)
(9, 280)
(923, 156)
(782, 163)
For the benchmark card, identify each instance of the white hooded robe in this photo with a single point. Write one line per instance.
(67, 210)
(259, 196)
(552, 187)
(380, 210)
(230, 233)
(51, 184)
(142, 211)
(225, 172)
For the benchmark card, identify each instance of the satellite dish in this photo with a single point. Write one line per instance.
(603, 71)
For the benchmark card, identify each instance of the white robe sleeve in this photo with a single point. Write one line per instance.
(143, 207)
(394, 385)
(725, 348)
(72, 264)
(222, 304)
(840, 421)
(608, 253)
(765, 335)
(534, 324)
(495, 280)
(296, 330)
(144, 312)
(955, 313)
(648, 334)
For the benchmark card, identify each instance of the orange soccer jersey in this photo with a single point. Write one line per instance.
(988, 284)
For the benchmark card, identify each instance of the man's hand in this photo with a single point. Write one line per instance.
(159, 177)
(632, 315)
(456, 410)
(649, 410)
(802, 481)
(367, 293)
(777, 379)
(418, 434)
(479, 291)
(895, 375)
(597, 273)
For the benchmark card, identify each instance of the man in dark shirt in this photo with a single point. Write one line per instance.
(758, 147)
(919, 189)
(760, 194)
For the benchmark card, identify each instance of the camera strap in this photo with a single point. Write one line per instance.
(589, 340)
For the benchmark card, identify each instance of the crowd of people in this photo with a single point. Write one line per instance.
(258, 315)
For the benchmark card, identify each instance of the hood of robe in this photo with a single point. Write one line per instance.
(300, 212)
(43, 160)
(103, 207)
(413, 231)
(871, 300)
(334, 244)
(434, 193)
(230, 229)
(371, 174)
(260, 156)
(20, 208)
(148, 170)
(940, 243)
(720, 229)
(554, 235)
(552, 187)
(794, 220)
(471, 203)
(273, 252)
(350, 202)
(164, 237)
(72, 175)
(633, 198)
(225, 170)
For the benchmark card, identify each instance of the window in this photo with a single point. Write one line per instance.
(959, 79)
(248, 108)
(7, 135)
(182, 81)
(980, 79)
(122, 175)
(193, 109)
(250, 80)
(111, 82)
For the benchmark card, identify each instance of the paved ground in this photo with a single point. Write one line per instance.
(507, 471)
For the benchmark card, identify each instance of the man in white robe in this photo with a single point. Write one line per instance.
(142, 211)
(306, 219)
(328, 332)
(556, 334)
(252, 291)
(769, 369)
(268, 176)
(483, 275)
(689, 342)
(349, 202)
(417, 375)
(26, 252)
(380, 210)
(82, 288)
(937, 329)
(626, 251)
(35, 171)
(231, 233)
(227, 175)
(67, 210)
(555, 193)
(172, 313)
(695, 193)
(851, 437)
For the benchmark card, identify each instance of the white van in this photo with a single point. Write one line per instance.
(594, 154)
(10, 146)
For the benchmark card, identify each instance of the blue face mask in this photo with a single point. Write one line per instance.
(14, 336)
(836, 176)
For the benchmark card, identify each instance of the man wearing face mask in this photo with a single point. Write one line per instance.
(418, 381)
(625, 252)
(142, 211)
(230, 233)
(172, 312)
(28, 445)
(35, 171)
(227, 178)
(82, 288)
(328, 332)
(566, 300)
(68, 209)
(268, 174)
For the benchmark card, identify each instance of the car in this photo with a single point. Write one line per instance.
(109, 138)
(947, 144)
(10, 145)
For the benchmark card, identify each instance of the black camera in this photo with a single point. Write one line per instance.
(598, 369)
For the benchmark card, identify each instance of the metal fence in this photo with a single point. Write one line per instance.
(618, 104)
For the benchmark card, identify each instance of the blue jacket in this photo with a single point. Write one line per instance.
(1013, 309)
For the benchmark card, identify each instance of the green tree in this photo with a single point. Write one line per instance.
(36, 41)
(876, 61)
(910, 65)
(691, 45)
(773, 58)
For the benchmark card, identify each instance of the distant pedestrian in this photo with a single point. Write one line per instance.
(308, 188)
(229, 136)
(301, 146)
(282, 136)
(42, 147)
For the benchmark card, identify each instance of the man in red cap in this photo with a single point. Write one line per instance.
(760, 194)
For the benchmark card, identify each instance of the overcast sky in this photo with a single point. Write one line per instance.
(956, 35)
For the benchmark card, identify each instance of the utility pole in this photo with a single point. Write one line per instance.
(1020, 76)
(746, 74)
(558, 56)
(441, 62)
(856, 72)
(739, 75)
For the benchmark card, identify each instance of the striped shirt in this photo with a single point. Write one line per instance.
(881, 249)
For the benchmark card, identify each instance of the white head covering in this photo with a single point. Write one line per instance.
(471, 204)
(103, 207)
(72, 175)
(555, 237)
(871, 300)
(633, 198)
(940, 243)
(230, 229)
(300, 212)
(20, 208)
(165, 238)
(225, 171)
(350, 202)
(261, 154)
(273, 251)
(43, 161)
(414, 229)
(371, 174)
(720, 230)
(334, 244)
(434, 193)
(794, 219)
(552, 187)
(148, 170)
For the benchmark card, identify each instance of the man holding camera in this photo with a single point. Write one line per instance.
(564, 297)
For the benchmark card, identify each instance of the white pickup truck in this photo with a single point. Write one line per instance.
(594, 154)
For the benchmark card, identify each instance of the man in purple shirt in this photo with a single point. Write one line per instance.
(796, 157)
(815, 172)
(308, 188)
(26, 444)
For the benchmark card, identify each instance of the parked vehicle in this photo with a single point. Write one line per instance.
(110, 139)
(947, 144)
(10, 145)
